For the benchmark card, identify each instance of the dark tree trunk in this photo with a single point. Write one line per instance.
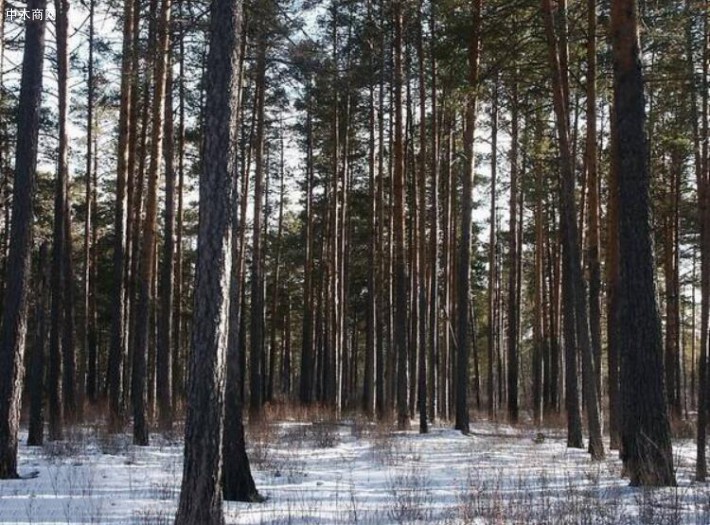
(164, 364)
(539, 347)
(36, 376)
(256, 361)
(201, 493)
(576, 324)
(422, 247)
(433, 345)
(88, 330)
(13, 329)
(139, 393)
(513, 255)
(592, 174)
(116, 363)
(463, 285)
(70, 408)
(645, 433)
(400, 263)
(306, 387)
(612, 294)
(492, 262)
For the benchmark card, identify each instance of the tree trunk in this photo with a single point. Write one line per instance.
(13, 329)
(593, 263)
(513, 255)
(400, 263)
(463, 285)
(256, 361)
(147, 260)
(433, 367)
(116, 364)
(35, 435)
(422, 248)
(575, 306)
(703, 184)
(645, 433)
(492, 251)
(539, 347)
(164, 364)
(201, 494)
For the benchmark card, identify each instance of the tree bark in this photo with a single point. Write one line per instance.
(400, 263)
(164, 364)
(463, 297)
(575, 306)
(513, 255)
(139, 395)
(13, 328)
(201, 494)
(35, 435)
(645, 432)
(117, 350)
(256, 361)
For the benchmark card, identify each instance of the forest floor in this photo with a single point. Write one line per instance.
(330, 472)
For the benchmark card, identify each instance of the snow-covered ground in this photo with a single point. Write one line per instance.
(354, 472)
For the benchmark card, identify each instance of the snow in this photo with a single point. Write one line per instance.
(353, 472)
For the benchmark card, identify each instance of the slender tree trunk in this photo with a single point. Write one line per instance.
(539, 350)
(433, 367)
(256, 361)
(178, 366)
(117, 350)
(13, 328)
(593, 262)
(575, 306)
(273, 352)
(382, 286)
(369, 395)
(400, 263)
(704, 216)
(164, 364)
(35, 435)
(422, 248)
(463, 298)
(147, 261)
(89, 319)
(513, 255)
(307, 358)
(492, 251)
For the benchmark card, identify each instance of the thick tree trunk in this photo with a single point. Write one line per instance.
(201, 494)
(13, 329)
(645, 433)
